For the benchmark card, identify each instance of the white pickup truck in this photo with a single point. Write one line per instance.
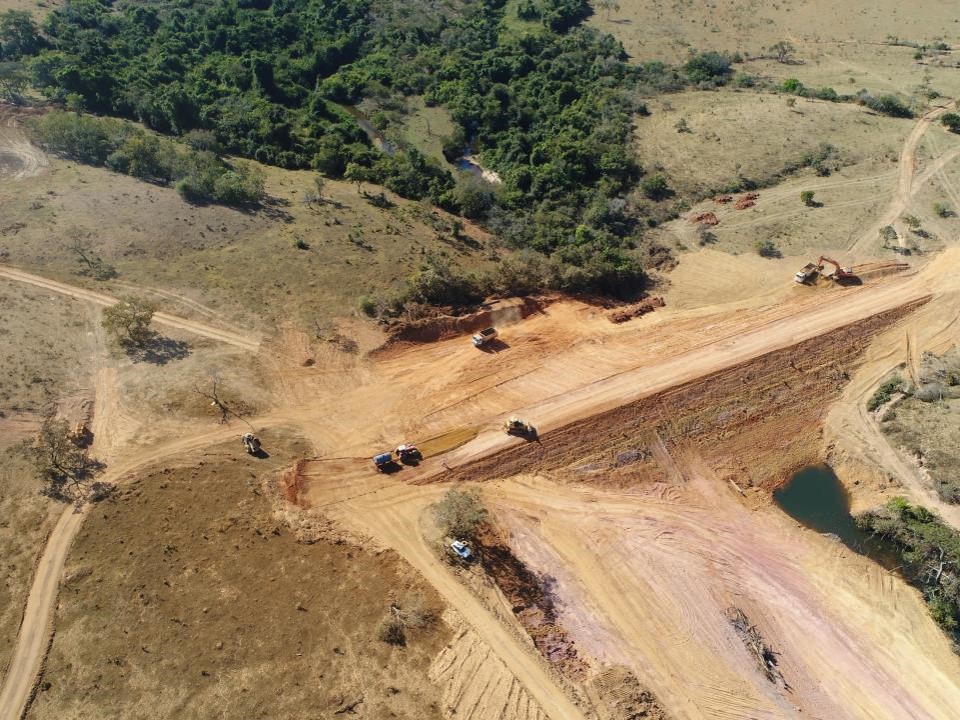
(484, 336)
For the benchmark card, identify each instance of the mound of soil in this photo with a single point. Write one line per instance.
(432, 329)
(628, 312)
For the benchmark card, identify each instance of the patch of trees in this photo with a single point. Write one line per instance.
(930, 550)
(883, 104)
(951, 121)
(549, 109)
(200, 175)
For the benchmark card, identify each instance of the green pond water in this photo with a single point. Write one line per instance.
(816, 498)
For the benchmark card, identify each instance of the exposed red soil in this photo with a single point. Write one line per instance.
(628, 312)
(754, 423)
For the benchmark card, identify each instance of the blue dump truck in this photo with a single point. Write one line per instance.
(383, 461)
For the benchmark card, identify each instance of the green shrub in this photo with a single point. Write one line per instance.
(884, 392)
(655, 187)
(942, 210)
(767, 249)
(806, 197)
(886, 105)
(459, 512)
(951, 121)
(930, 550)
(708, 68)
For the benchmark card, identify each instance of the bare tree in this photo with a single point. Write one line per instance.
(213, 395)
(92, 263)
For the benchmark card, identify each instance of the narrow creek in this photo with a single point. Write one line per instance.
(816, 499)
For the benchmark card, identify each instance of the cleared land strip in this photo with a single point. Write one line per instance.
(633, 384)
(197, 328)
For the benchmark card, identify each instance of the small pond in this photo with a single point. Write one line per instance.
(816, 498)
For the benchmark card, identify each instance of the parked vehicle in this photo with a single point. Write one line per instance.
(461, 549)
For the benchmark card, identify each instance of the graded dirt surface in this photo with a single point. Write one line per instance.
(650, 572)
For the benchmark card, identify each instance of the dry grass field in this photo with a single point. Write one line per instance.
(239, 265)
(44, 359)
(753, 136)
(188, 590)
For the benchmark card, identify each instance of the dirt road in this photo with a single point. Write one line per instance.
(219, 334)
(905, 187)
(35, 628)
(19, 158)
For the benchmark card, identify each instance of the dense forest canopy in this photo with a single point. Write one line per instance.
(546, 100)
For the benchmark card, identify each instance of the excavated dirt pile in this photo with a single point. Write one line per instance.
(628, 312)
(431, 329)
(754, 423)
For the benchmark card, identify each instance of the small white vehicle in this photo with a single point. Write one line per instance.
(484, 336)
(461, 549)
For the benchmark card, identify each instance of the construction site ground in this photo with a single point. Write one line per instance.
(644, 503)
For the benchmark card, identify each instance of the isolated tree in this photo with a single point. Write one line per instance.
(128, 321)
(13, 79)
(609, 6)
(358, 174)
(314, 196)
(806, 197)
(459, 512)
(66, 468)
(782, 51)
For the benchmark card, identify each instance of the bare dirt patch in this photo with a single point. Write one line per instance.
(187, 587)
(755, 422)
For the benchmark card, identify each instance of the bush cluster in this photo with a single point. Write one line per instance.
(930, 550)
(199, 175)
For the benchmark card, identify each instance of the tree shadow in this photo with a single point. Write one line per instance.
(273, 208)
(160, 350)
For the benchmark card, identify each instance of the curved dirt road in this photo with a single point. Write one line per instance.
(230, 337)
(904, 188)
(19, 158)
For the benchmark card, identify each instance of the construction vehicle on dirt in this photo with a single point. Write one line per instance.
(408, 454)
(251, 443)
(516, 426)
(385, 462)
(811, 270)
(485, 336)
